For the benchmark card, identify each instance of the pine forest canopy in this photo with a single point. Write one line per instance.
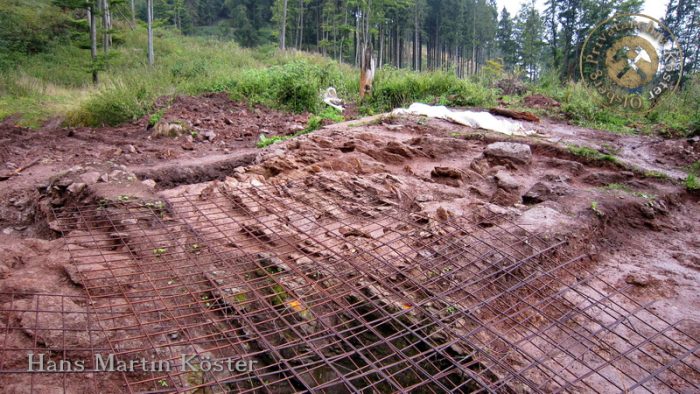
(465, 36)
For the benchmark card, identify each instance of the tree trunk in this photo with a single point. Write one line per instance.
(133, 13)
(283, 32)
(300, 41)
(93, 42)
(416, 38)
(381, 45)
(106, 37)
(149, 9)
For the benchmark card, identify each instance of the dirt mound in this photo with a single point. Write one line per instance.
(230, 120)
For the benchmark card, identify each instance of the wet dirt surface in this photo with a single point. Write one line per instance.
(640, 232)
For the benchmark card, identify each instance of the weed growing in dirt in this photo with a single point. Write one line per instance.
(315, 123)
(159, 251)
(628, 190)
(594, 208)
(618, 186)
(692, 182)
(655, 174)
(329, 114)
(156, 117)
(590, 153)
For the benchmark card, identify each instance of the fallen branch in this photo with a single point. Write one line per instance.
(6, 176)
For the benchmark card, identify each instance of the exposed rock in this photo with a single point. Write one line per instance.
(505, 181)
(638, 280)
(538, 193)
(446, 172)
(76, 188)
(447, 176)
(399, 149)
(500, 152)
(574, 167)
(149, 183)
(165, 129)
(505, 198)
(480, 166)
(546, 221)
(208, 135)
(187, 145)
(90, 178)
(63, 324)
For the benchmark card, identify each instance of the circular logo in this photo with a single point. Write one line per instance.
(633, 61)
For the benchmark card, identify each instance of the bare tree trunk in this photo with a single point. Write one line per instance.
(133, 13)
(300, 30)
(283, 32)
(93, 42)
(367, 70)
(149, 9)
(106, 37)
(381, 45)
(416, 39)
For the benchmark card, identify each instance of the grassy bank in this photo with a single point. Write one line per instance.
(56, 82)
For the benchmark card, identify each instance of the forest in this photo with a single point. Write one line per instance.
(459, 35)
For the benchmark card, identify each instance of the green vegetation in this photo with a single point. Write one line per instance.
(596, 210)
(315, 123)
(45, 65)
(628, 190)
(156, 117)
(159, 251)
(692, 183)
(590, 153)
(655, 174)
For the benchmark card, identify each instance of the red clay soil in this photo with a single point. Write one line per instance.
(235, 124)
(640, 232)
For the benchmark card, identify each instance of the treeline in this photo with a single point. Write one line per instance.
(459, 35)
(464, 36)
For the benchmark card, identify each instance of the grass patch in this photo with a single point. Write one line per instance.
(591, 154)
(156, 117)
(692, 182)
(655, 174)
(596, 210)
(626, 189)
(399, 88)
(315, 122)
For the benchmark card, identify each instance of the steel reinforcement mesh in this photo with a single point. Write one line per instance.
(315, 287)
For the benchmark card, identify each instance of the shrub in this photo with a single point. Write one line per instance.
(115, 103)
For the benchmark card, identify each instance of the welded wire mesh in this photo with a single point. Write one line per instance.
(322, 286)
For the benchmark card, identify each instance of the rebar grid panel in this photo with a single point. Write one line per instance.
(327, 287)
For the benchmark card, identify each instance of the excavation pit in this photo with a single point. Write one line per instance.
(320, 289)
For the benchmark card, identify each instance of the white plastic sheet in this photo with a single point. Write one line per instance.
(482, 120)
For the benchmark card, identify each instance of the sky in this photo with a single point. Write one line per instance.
(654, 8)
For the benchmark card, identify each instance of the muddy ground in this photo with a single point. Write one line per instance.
(637, 229)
